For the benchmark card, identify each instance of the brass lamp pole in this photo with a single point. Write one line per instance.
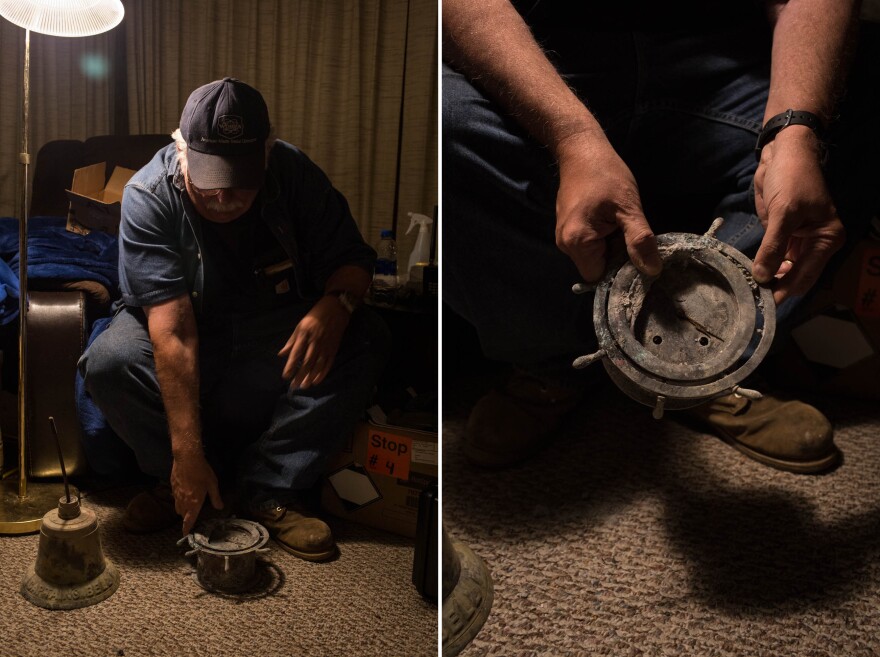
(22, 506)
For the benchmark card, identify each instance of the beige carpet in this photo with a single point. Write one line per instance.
(361, 604)
(629, 536)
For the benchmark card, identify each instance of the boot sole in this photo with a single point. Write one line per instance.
(816, 466)
(327, 555)
(798, 467)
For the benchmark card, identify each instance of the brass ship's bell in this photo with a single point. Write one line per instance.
(71, 570)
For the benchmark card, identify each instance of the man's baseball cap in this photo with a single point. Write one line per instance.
(225, 124)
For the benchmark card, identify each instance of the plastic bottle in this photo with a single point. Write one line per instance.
(421, 252)
(385, 281)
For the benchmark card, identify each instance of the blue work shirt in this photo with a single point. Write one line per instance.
(161, 242)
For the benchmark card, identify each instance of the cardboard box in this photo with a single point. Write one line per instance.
(835, 349)
(377, 478)
(94, 205)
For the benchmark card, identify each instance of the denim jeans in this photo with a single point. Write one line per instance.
(274, 440)
(683, 111)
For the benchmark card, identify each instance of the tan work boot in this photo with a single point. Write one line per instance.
(788, 435)
(303, 536)
(509, 423)
(151, 511)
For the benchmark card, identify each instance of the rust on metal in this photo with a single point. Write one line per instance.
(691, 333)
(226, 550)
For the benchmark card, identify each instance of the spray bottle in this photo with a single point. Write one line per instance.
(421, 252)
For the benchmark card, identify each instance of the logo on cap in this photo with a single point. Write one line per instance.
(230, 126)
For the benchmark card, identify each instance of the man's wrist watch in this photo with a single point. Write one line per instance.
(346, 299)
(785, 119)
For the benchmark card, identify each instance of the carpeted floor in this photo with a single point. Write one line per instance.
(361, 604)
(628, 536)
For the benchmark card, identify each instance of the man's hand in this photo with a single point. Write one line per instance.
(312, 347)
(597, 195)
(802, 227)
(191, 480)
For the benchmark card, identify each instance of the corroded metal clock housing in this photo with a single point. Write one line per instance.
(690, 334)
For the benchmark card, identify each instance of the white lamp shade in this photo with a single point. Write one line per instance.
(66, 18)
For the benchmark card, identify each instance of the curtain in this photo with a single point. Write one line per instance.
(418, 172)
(353, 84)
(71, 97)
(11, 49)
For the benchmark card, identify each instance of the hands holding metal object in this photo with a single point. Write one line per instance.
(691, 333)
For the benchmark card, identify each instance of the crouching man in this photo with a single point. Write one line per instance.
(241, 347)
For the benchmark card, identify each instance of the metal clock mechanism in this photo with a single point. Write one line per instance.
(690, 334)
(226, 551)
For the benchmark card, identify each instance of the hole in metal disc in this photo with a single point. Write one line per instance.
(656, 333)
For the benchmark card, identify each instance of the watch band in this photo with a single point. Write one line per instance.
(787, 118)
(348, 300)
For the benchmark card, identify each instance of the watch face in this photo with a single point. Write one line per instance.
(347, 301)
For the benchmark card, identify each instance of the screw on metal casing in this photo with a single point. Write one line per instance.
(715, 227)
(583, 288)
(658, 407)
(583, 361)
(748, 393)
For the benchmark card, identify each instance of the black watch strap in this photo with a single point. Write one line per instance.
(787, 118)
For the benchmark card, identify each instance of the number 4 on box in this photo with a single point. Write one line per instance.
(389, 454)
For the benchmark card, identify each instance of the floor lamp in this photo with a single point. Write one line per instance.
(23, 505)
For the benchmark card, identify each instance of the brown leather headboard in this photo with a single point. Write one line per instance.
(57, 160)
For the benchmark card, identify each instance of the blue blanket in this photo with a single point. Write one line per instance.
(54, 253)
(9, 293)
